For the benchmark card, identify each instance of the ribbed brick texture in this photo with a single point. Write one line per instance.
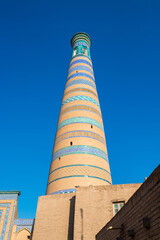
(80, 155)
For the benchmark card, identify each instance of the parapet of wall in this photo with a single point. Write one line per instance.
(94, 207)
(140, 217)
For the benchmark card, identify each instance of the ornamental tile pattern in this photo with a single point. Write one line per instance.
(80, 90)
(80, 44)
(80, 150)
(24, 223)
(82, 98)
(8, 196)
(80, 67)
(80, 74)
(80, 82)
(80, 141)
(80, 133)
(81, 61)
(80, 120)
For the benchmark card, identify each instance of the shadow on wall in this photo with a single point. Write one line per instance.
(81, 223)
(71, 219)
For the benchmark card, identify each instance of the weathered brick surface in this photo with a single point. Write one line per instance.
(54, 217)
(94, 207)
(80, 215)
(145, 202)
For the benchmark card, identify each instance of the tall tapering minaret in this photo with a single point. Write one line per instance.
(79, 155)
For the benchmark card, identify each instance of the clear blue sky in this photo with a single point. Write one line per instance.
(35, 53)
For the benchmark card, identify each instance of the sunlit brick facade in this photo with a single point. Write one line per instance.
(80, 155)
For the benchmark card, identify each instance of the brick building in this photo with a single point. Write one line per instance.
(140, 217)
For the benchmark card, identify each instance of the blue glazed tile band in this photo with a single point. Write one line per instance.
(80, 67)
(70, 190)
(81, 43)
(80, 74)
(80, 149)
(80, 61)
(81, 81)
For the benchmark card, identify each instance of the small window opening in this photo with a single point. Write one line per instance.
(74, 52)
(85, 51)
(76, 71)
(91, 126)
(71, 143)
(28, 237)
(117, 206)
(59, 158)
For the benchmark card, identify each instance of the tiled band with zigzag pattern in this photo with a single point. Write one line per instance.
(80, 97)
(74, 170)
(80, 165)
(80, 120)
(81, 176)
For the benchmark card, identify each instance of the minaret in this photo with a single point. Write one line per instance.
(79, 155)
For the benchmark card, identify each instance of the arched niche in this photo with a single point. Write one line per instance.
(23, 234)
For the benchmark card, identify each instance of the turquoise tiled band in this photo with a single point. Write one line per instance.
(80, 120)
(79, 176)
(80, 149)
(80, 165)
(82, 98)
